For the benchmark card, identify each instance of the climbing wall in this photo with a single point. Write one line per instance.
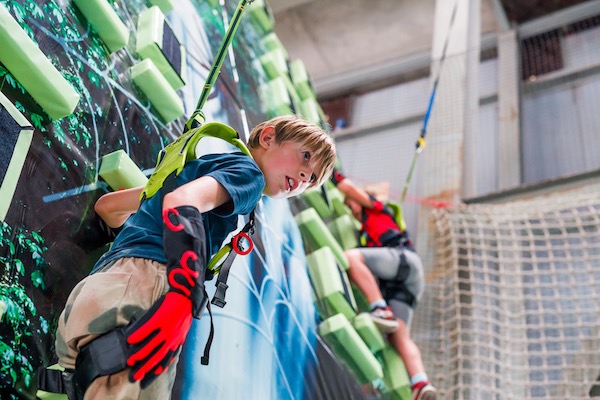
(82, 79)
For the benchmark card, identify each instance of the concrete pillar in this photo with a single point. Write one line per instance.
(509, 149)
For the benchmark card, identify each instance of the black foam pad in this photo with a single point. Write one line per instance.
(9, 134)
(171, 48)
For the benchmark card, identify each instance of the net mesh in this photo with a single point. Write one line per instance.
(512, 305)
(514, 300)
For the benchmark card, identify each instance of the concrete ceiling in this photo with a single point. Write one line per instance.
(354, 45)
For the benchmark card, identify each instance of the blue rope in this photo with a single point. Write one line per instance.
(439, 72)
(420, 144)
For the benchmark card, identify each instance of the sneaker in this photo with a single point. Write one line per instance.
(424, 391)
(384, 319)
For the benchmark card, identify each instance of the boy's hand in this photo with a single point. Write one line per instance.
(158, 336)
(156, 339)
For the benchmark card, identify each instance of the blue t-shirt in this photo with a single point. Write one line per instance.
(142, 233)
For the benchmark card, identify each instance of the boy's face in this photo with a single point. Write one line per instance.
(287, 167)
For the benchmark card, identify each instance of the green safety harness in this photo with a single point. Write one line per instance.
(171, 161)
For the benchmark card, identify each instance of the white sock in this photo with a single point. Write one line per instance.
(378, 303)
(420, 377)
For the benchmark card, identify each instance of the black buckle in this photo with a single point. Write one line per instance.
(219, 297)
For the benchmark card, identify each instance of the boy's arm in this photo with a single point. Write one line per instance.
(204, 193)
(115, 207)
(156, 338)
(355, 193)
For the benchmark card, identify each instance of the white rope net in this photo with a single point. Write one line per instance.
(512, 306)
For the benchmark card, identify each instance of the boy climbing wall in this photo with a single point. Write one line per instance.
(150, 284)
(390, 274)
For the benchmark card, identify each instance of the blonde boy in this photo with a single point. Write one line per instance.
(151, 282)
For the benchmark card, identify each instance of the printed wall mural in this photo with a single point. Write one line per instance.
(266, 346)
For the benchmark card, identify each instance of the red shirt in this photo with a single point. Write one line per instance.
(379, 226)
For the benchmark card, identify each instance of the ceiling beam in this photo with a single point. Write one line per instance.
(559, 18)
(343, 83)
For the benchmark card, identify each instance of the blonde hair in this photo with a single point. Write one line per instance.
(308, 135)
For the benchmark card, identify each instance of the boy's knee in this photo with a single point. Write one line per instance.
(353, 255)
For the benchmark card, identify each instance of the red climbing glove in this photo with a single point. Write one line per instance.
(156, 339)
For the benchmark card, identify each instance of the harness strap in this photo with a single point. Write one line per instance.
(206, 355)
(221, 284)
(54, 380)
(395, 288)
(231, 250)
(105, 355)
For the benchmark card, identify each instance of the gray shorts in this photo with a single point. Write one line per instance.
(386, 263)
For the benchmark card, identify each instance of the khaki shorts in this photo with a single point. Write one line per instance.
(106, 300)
